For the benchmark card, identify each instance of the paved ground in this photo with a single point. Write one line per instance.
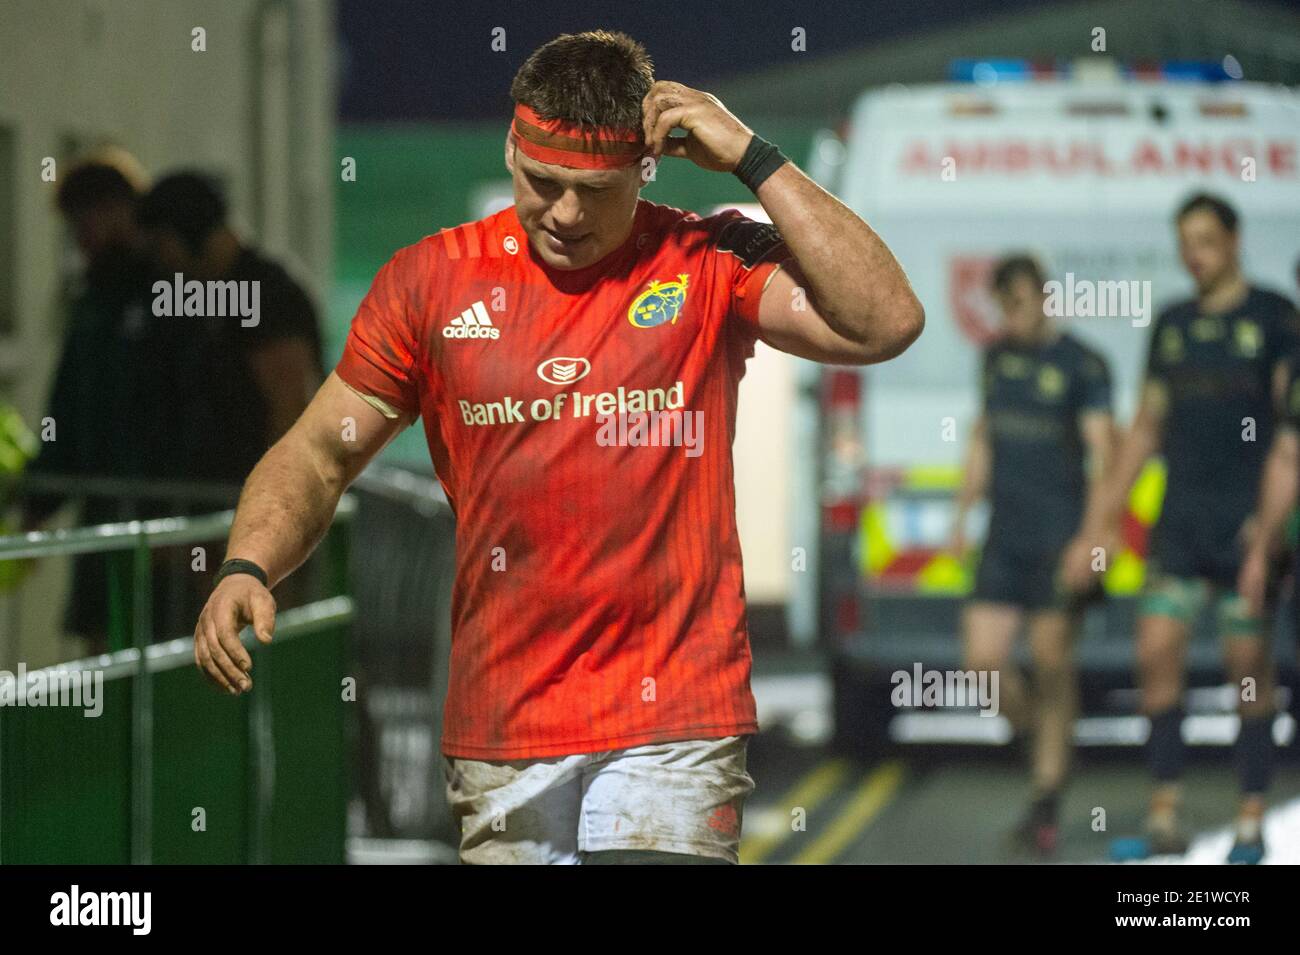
(915, 809)
(956, 806)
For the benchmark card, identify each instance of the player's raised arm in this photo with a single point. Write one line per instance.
(856, 305)
(284, 510)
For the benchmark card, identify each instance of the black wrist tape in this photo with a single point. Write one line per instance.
(761, 159)
(239, 566)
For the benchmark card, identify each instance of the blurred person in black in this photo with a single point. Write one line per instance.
(1043, 439)
(108, 406)
(1216, 372)
(240, 385)
(1275, 510)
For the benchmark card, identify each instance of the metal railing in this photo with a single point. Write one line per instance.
(116, 500)
(170, 770)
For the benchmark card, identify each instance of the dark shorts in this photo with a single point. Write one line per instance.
(1204, 546)
(1184, 595)
(1195, 560)
(1025, 579)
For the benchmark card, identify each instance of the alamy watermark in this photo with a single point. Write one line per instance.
(935, 689)
(1084, 298)
(653, 429)
(54, 687)
(212, 299)
(131, 910)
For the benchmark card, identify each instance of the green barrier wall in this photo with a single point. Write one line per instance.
(65, 783)
(269, 769)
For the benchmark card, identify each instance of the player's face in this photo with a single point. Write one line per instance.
(169, 251)
(573, 217)
(1208, 249)
(101, 228)
(1022, 308)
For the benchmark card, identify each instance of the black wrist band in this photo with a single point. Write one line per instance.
(239, 566)
(761, 159)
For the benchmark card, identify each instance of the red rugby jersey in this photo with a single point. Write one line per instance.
(599, 601)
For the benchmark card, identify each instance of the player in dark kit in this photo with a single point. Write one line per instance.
(1277, 502)
(599, 703)
(1216, 370)
(1046, 426)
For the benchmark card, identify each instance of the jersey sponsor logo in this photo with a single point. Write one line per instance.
(748, 240)
(1208, 329)
(472, 323)
(1247, 338)
(1051, 382)
(660, 304)
(1013, 366)
(1171, 346)
(622, 401)
(563, 371)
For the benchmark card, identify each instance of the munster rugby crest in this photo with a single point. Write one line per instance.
(660, 304)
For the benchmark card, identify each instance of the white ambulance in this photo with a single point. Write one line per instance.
(1083, 167)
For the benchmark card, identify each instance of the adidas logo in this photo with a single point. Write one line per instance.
(471, 323)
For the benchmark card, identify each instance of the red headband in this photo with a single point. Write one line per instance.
(562, 143)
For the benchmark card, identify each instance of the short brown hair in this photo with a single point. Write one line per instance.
(597, 78)
(104, 175)
(1221, 209)
(1011, 267)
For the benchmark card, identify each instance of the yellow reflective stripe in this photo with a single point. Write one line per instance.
(942, 574)
(1148, 493)
(876, 551)
(932, 477)
(1126, 574)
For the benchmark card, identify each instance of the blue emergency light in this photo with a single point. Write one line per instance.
(986, 72)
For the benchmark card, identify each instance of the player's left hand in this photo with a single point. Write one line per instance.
(714, 140)
(1252, 580)
(1247, 532)
(1076, 568)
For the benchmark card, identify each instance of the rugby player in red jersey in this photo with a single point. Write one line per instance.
(575, 360)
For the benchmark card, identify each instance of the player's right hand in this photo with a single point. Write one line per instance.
(1252, 580)
(238, 601)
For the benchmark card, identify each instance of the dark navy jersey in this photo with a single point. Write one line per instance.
(1034, 396)
(1218, 373)
(1291, 398)
(227, 416)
